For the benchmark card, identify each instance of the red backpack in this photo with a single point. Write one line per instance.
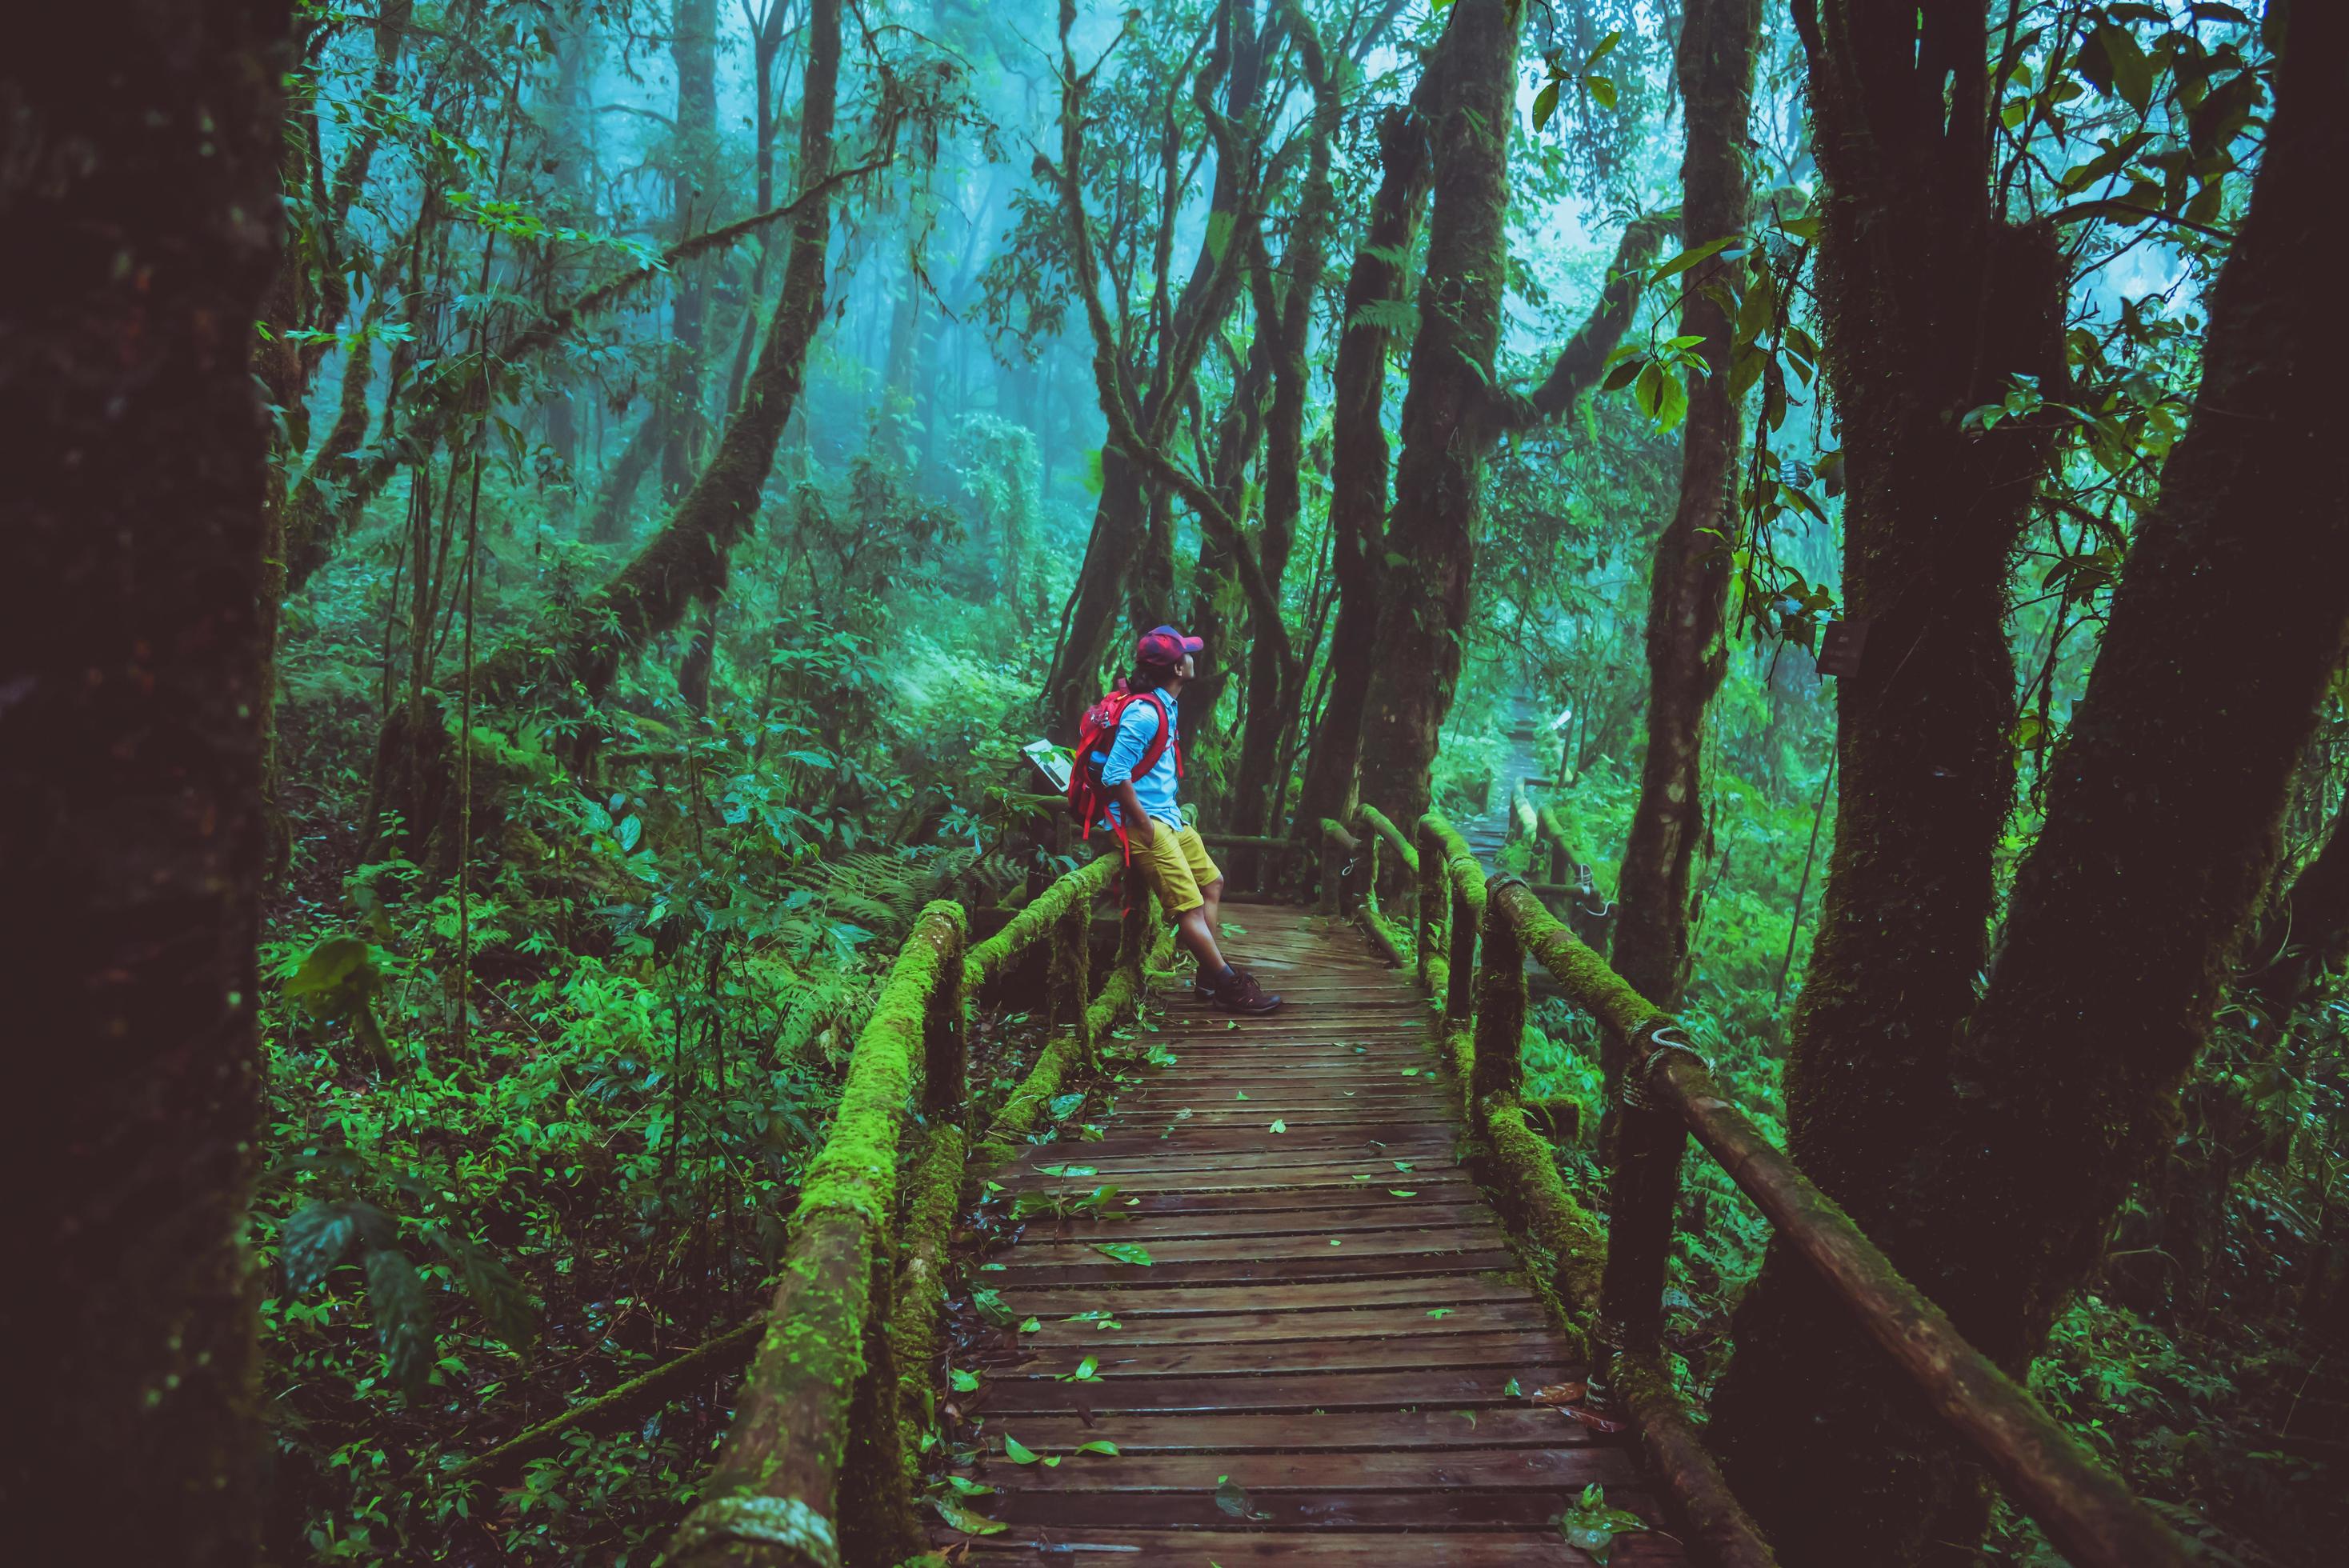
(1096, 733)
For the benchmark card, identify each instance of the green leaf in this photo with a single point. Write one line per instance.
(1280, 1125)
(964, 1382)
(1401, 1193)
(1123, 1252)
(1690, 257)
(1601, 89)
(1092, 470)
(964, 1519)
(2130, 71)
(403, 1317)
(1234, 1500)
(1030, 1326)
(632, 831)
(989, 1304)
(1439, 1311)
(1099, 1446)
(313, 1239)
(1067, 1170)
(505, 1305)
(1017, 1452)
(969, 1486)
(1544, 105)
(1513, 1389)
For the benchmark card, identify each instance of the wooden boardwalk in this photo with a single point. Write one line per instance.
(1331, 1356)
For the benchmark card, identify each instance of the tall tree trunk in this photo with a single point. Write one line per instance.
(608, 524)
(693, 48)
(1130, 559)
(1439, 477)
(2051, 1096)
(1287, 313)
(1687, 590)
(1358, 475)
(141, 199)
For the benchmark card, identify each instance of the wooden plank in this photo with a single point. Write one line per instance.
(1275, 1511)
(1391, 1290)
(1034, 1251)
(1360, 1433)
(1466, 1390)
(1331, 1265)
(1386, 1213)
(1249, 1327)
(1297, 1161)
(1548, 1470)
(1114, 1357)
(1434, 1186)
(1298, 1184)
(1325, 1549)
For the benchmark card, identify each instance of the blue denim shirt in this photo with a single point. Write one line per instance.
(1155, 788)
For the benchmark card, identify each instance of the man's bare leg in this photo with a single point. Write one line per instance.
(1214, 894)
(1194, 928)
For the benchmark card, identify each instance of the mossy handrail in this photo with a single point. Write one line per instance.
(1471, 938)
(817, 1468)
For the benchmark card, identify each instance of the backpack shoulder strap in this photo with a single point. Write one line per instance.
(1156, 746)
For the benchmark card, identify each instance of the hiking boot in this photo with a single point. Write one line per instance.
(1238, 992)
(1203, 989)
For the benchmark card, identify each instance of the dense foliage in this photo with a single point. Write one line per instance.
(612, 759)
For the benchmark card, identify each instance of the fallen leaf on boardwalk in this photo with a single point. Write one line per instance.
(1088, 1371)
(1123, 1252)
(1361, 1178)
(1279, 1126)
(968, 1487)
(1233, 1024)
(1401, 1193)
(1068, 1171)
(1592, 1419)
(1347, 1092)
(964, 1519)
(1439, 1311)
(1234, 1500)
(1403, 1164)
(1240, 1094)
(1017, 1452)
(1335, 1243)
(963, 1382)
(1030, 1325)
(1411, 1072)
(1559, 1394)
(1513, 1389)
(1183, 1114)
(1099, 1446)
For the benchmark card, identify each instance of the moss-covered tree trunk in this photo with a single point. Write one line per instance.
(2040, 1106)
(1129, 565)
(1438, 475)
(1358, 450)
(1275, 685)
(1688, 590)
(139, 196)
(693, 166)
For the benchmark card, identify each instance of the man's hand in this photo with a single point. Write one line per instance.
(1139, 828)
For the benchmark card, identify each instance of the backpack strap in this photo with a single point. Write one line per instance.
(1156, 746)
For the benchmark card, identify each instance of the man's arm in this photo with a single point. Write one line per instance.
(1138, 825)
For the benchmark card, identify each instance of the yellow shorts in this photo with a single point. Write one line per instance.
(1178, 864)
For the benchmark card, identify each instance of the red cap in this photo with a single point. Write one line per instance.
(1164, 645)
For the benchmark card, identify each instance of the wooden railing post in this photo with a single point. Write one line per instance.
(1435, 898)
(1459, 981)
(1072, 974)
(1642, 1192)
(1500, 1002)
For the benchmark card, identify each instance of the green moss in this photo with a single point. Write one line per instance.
(1585, 978)
(1525, 1168)
(856, 1170)
(932, 1191)
(1376, 820)
(1034, 922)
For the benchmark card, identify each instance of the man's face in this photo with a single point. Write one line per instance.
(1187, 669)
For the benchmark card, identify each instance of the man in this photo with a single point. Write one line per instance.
(1188, 883)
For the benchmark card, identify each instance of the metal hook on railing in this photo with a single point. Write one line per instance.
(1663, 1039)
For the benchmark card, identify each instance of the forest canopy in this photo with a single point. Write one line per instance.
(557, 529)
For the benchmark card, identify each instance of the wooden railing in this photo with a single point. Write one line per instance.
(1471, 939)
(817, 1467)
